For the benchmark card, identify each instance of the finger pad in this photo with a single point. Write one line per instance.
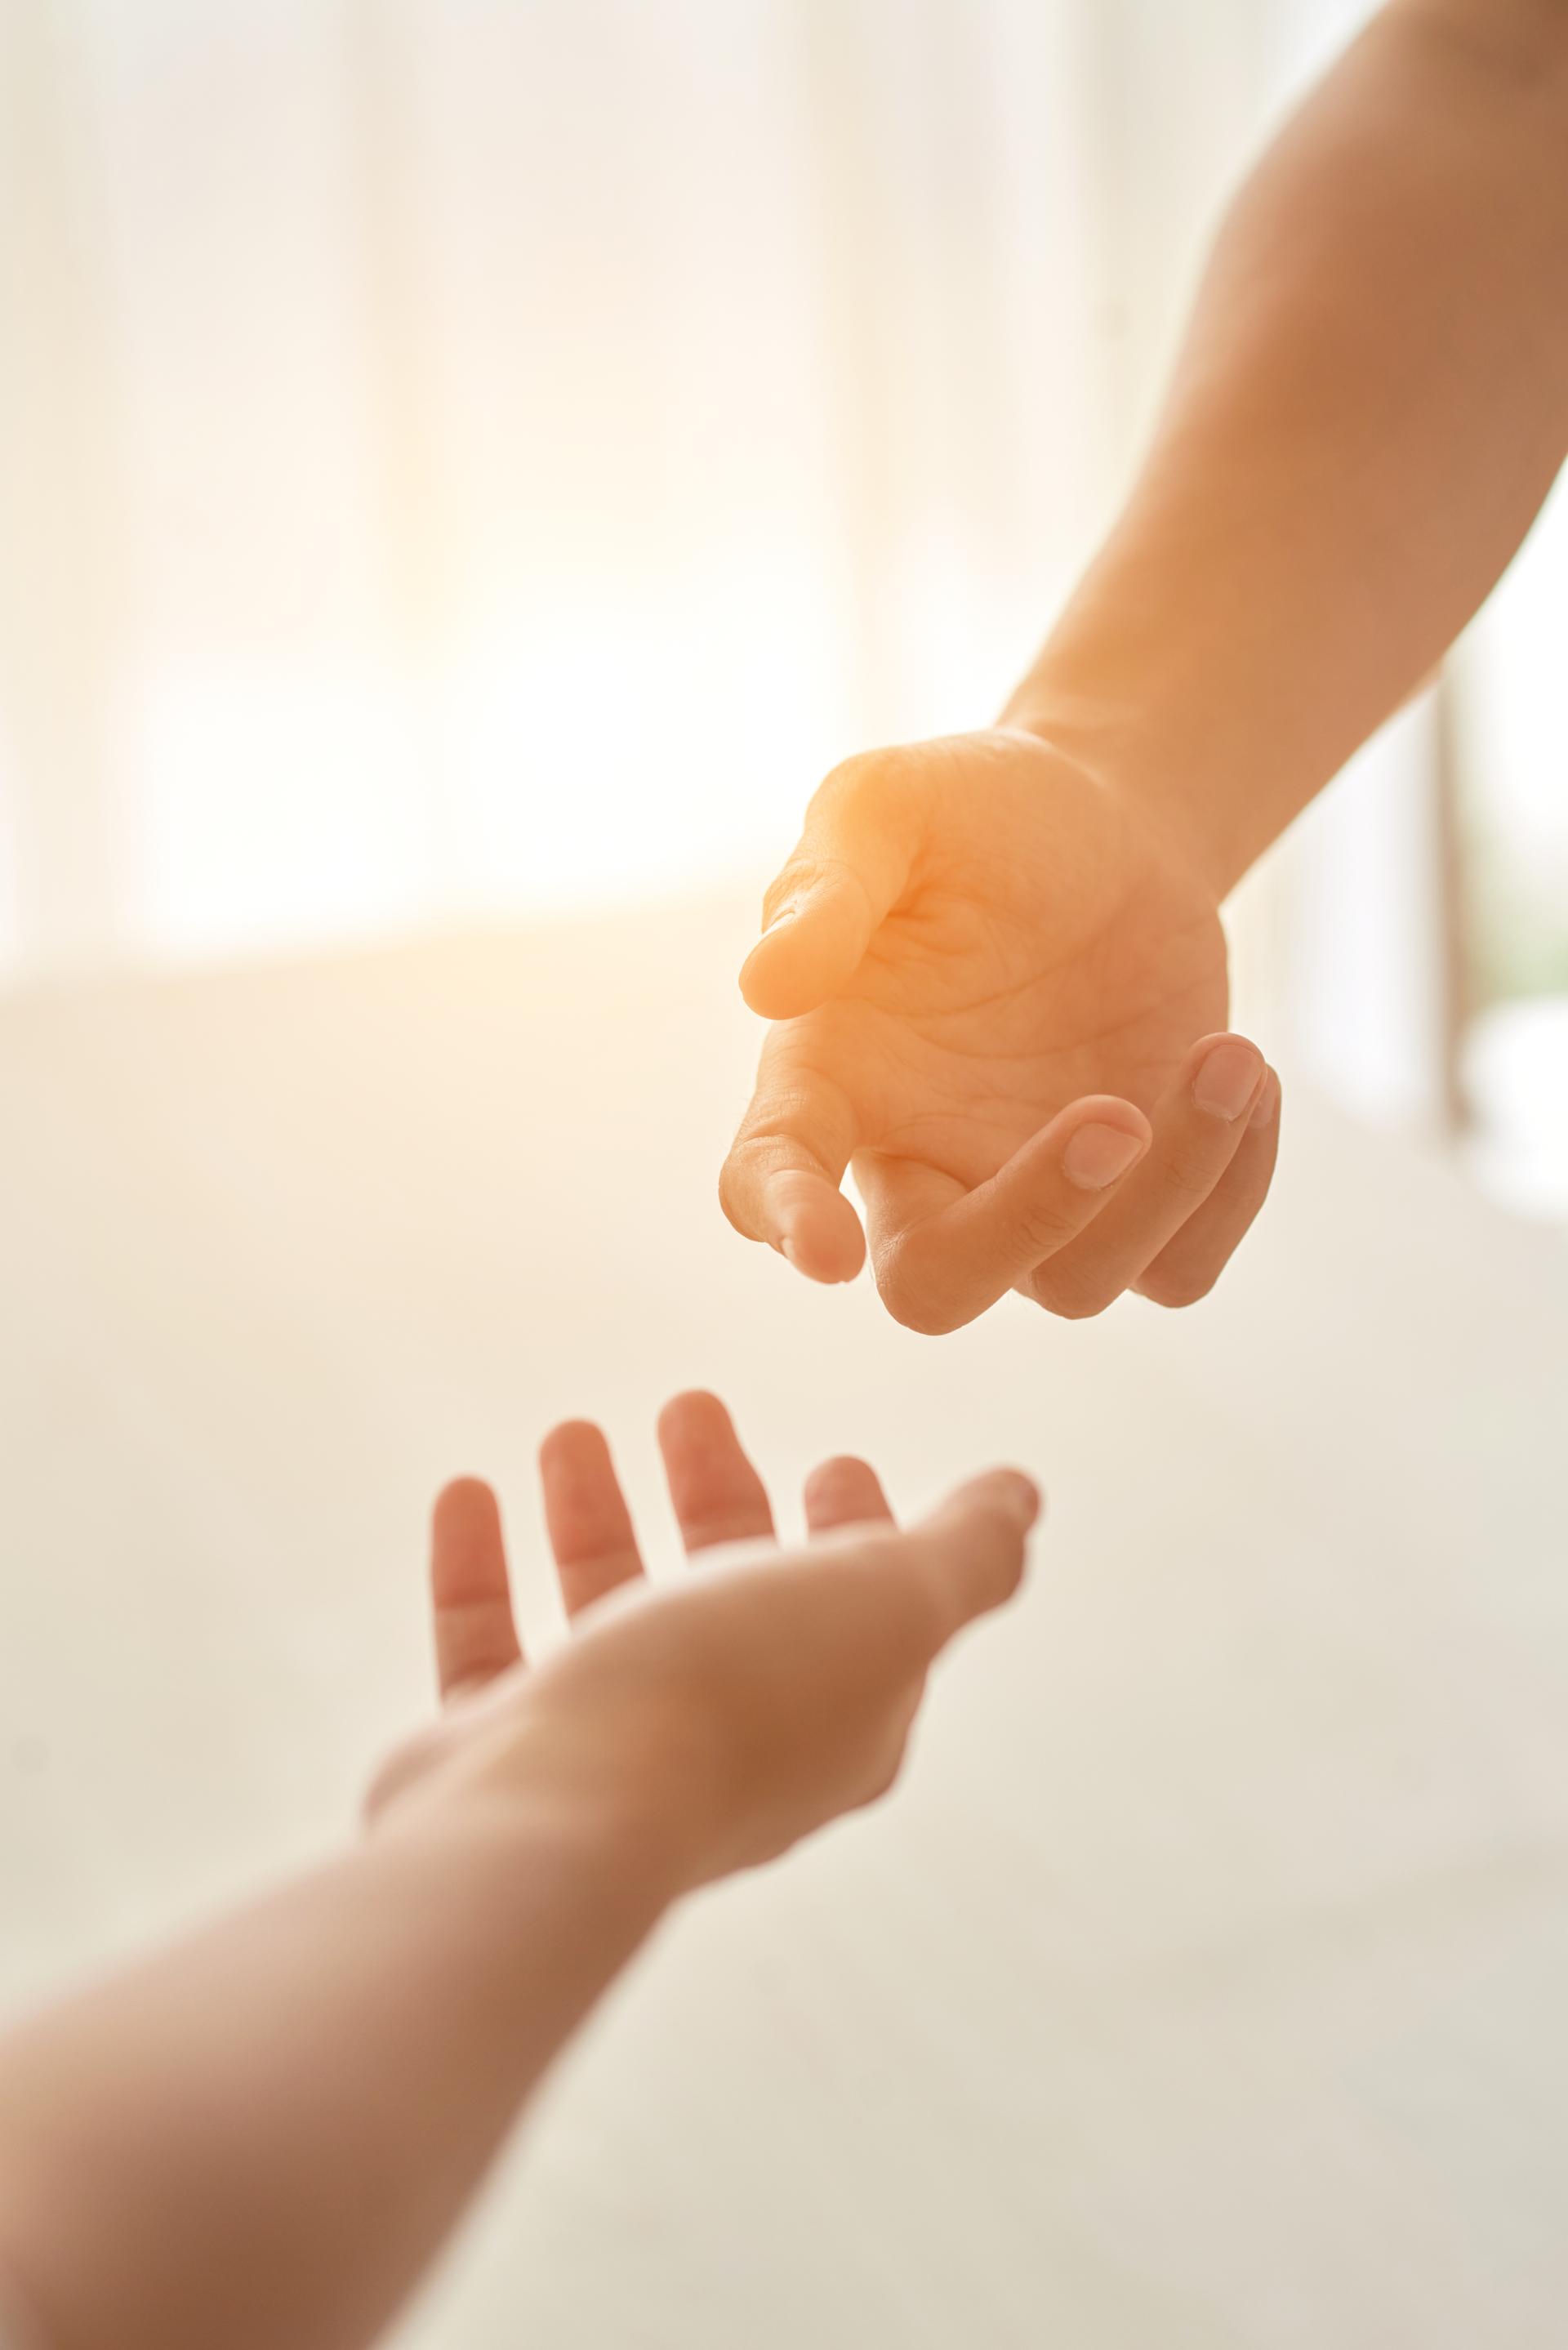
(583, 1508)
(468, 1554)
(715, 1490)
(823, 1238)
(844, 1493)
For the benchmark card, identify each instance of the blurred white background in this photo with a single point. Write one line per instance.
(466, 467)
(462, 457)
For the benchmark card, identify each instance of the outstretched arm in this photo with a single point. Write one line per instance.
(1371, 405)
(264, 2137)
(261, 2137)
(981, 948)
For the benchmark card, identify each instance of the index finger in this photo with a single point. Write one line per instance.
(780, 1182)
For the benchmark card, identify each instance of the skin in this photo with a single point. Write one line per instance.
(981, 945)
(1002, 956)
(265, 2134)
(1020, 961)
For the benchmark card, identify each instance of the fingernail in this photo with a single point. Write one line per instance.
(1097, 1155)
(786, 914)
(786, 1249)
(1226, 1079)
(1268, 1102)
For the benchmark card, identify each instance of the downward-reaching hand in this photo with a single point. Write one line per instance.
(999, 991)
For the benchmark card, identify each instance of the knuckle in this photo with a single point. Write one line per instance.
(779, 1125)
(851, 784)
(792, 877)
(1043, 1226)
(1190, 1173)
(871, 793)
(792, 1107)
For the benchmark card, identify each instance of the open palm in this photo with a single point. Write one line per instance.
(729, 1713)
(1000, 995)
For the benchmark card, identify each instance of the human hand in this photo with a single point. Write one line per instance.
(997, 986)
(717, 1720)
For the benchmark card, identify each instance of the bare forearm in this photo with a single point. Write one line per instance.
(263, 2136)
(1371, 405)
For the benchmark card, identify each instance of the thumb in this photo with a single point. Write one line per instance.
(972, 1546)
(848, 871)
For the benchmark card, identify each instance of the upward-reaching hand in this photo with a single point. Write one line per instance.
(997, 988)
(715, 1721)
(263, 2135)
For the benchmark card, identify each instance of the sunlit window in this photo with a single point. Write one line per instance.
(459, 460)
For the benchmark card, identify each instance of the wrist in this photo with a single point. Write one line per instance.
(1148, 746)
(1107, 749)
(617, 1810)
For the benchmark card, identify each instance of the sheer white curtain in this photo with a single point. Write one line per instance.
(457, 456)
(461, 457)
